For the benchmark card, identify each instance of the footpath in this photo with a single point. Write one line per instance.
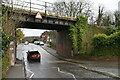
(110, 69)
(16, 72)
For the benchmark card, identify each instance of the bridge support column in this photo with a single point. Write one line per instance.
(64, 47)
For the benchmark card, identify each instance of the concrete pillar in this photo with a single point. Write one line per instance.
(12, 53)
(64, 47)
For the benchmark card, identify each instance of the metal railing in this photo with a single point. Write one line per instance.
(45, 7)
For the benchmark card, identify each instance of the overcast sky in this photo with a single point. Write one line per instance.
(110, 5)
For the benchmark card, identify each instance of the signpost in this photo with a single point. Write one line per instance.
(38, 15)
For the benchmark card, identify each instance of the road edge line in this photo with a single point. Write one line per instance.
(26, 69)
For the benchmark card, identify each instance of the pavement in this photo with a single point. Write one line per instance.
(16, 72)
(110, 69)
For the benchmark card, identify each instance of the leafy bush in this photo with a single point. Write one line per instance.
(76, 33)
(53, 46)
(112, 30)
(115, 38)
(5, 41)
(4, 9)
(104, 40)
(99, 40)
(106, 45)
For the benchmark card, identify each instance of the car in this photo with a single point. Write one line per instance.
(41, 43)
(26, 43)
(33, 55)
(37, 42)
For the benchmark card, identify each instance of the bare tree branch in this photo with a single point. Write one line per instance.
(72, 8)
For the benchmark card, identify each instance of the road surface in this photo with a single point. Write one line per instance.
(52, 67)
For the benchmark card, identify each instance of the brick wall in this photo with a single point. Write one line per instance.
(64, 47)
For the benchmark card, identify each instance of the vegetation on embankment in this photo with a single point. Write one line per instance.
(8, 35)
(76, 33)
(107, 44)
(89, 40)
(5, 64)
(5, 57)
(51, 45)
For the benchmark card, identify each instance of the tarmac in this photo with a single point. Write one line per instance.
(110, 69)
(16, 72)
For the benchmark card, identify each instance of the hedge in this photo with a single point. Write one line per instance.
(101, 40)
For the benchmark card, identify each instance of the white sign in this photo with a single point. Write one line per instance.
(38, 15)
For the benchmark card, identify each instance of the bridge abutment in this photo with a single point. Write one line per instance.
(63, 46)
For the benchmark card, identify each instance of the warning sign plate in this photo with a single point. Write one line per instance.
(38, 15)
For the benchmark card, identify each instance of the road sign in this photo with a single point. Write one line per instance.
(38, 15)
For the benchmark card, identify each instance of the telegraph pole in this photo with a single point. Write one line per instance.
(12, 4)
(45, 9)
(30, 6)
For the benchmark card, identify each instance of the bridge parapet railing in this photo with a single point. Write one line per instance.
(42, 6)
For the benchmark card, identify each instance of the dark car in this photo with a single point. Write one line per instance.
(33, 55)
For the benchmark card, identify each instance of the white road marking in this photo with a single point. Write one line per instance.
(66, 73)
(32, 74)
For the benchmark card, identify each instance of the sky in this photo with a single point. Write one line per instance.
(110, 5)
(32, 32)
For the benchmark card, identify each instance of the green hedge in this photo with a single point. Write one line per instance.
(101, 40)
(112, 30)
(5, 40)
(106, 45)
(114, 38)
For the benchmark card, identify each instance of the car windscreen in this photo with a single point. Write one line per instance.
(34, 52)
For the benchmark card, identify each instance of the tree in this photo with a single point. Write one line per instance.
(117, 18)
(72, 8)
(19, 35)
(108, 19)
(51, 34)
(100, 14)
(10, 20)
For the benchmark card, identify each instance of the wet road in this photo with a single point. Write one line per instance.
(52, 67)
